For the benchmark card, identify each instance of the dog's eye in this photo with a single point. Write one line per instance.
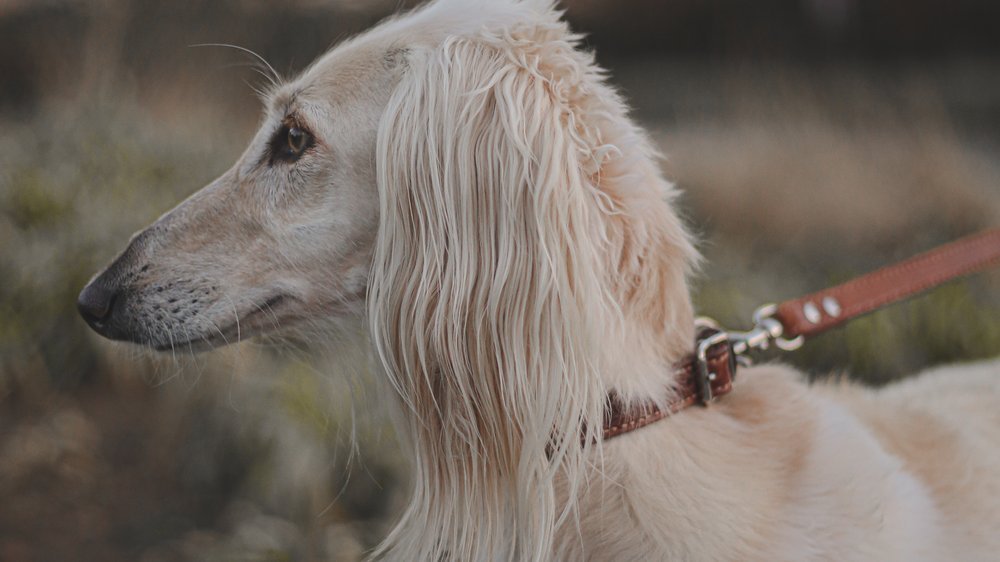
(289, 143)
(296, 140)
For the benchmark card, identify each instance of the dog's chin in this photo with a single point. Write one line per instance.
(198, 343)
(268, 318)
(277, 317)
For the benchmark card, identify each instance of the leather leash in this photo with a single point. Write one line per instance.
(709, 372)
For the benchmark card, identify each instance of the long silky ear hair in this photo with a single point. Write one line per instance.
(486, 280)
(496, 286)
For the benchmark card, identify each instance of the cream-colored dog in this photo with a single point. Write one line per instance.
(463, 178)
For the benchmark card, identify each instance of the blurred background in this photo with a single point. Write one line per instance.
(813, 140)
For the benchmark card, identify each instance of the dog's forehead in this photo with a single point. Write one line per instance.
(339, 76)
(294, 97)
(358, 69)
(351, 63)
(354, 59)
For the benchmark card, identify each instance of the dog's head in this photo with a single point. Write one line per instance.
(465, 176)
(283, 236)
(476, 126)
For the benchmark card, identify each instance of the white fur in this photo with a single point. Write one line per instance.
(525, 260)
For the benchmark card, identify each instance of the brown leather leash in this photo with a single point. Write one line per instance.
(709, 372)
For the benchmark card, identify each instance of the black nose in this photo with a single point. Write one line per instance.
(95, 303)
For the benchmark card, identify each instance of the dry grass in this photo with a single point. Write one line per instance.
(805, 180)
(793, 180)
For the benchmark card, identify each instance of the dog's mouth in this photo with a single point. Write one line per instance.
(260, 318)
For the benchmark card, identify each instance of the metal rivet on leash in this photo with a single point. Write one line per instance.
(831, 306)
(811, 313)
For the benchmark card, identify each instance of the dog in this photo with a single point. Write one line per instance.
(464, 181)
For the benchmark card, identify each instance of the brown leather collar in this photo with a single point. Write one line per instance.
(720, 362)
(709, 372)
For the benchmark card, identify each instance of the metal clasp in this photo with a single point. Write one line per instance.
(766, 330)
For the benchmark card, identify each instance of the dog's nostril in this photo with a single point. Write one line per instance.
(95, 303)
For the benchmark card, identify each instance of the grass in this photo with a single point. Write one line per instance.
(247, 426)
(247, 453)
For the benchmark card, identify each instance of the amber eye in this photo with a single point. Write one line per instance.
(297, 141)
(288, 144)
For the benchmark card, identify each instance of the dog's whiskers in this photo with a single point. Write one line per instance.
(272, 75)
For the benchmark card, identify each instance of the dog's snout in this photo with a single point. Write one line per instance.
(95, 303)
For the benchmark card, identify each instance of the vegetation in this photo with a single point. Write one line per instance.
(794, 177)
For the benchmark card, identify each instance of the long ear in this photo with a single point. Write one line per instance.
(490, 275)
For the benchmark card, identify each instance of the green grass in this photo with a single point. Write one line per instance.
(247, 437)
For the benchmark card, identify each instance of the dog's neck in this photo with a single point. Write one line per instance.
(485, 466)
(515, 287)
(651, 255)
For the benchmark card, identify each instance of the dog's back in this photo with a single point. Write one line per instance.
(944, 425)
